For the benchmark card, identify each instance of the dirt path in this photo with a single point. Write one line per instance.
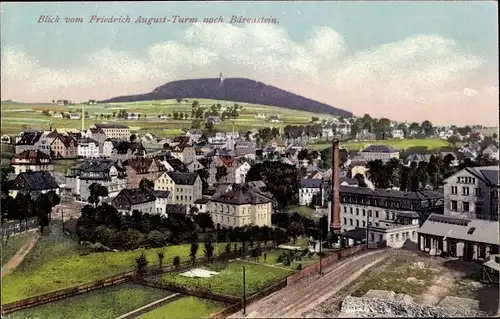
(295, 300)
(19, 256)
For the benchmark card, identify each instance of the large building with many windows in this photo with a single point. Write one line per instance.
(472, 193)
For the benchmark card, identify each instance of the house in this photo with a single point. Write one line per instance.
(417, 158)
(194, 135)
(184, 152)
(124, 150)
(98, 135)
(308, 188)
(239, 206)
(34, 184)
(260, 116)
(173, 164)
(393, 216)
(398, 134)
(32, 140)
(57, 115)
(194, 166)
(228, 162)
(491, 152)
(64, 146)
(451, 156)
(51, 136)
(184, 187)
(476, 136)
(344, 128)
(274, 119)
(164, 117)
(87, 148)
(113, 130)
(240, 172)
(92, 102)
(142, 199)
(74, 116)
(365, 135)
(472, 193)
(379, 152)
(32, 160)
(213, 119)
(469, 239)
(278, 144)
(202, 204)
(132, 116)
(109, 174)
(6, 139)
(141, 168)
(346, 181)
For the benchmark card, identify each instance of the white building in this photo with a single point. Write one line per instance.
(241, 172)
(87, 148)
(74, 116)
(142, 199)
(379, 152)
(132, 116)
(307, 189)
(398, 134)
(107, 148)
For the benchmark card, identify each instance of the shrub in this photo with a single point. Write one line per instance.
(299, 267)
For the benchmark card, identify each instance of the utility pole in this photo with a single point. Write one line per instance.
(320, 254)
(367, 226)
(244, 293)
(62, 218)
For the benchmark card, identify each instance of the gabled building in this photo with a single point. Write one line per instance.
(379, 152)
(109, 174)
(472, 193)
(113, 130)
(32, 140)
(34, 184)
(142, 199)
(240, 205)
(184, 152)
(97, 134)
(491, 152)
(309, 187)
(184, 187)
(240, 172)
(32, 160)
(230, 165)
(194, 166)
(87, 148)
(64, 146)
(143, 168)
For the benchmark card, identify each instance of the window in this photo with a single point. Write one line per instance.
(413, 234)
(376, 214)
(453, 205)
(364, 212)
(345, 209)
(482, 252)
(391, 238)
(357, 223)
(357, 211)
(345, 221)
(350, 210)
(465, 206)
(372, 237)
(350, 221)
(364, 223)
(380, 237)
(465, 191)
(478, 192)
(397, 237)
(454, 190)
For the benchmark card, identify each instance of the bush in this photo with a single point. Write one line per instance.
(177, 261)
(156, 239)
(299, 267)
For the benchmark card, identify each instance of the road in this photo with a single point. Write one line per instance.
(299, 299)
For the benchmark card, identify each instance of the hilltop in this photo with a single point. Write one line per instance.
(239, 90)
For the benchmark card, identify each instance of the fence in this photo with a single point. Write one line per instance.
(65, 293)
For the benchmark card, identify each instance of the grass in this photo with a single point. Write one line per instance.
(19, 116)
(109, 302)
(229, 279)
(186, 307)
(55, 263)
(61, 166)
(301, 210)
(272, 259)
(398, 273)
(430, 143)
(11, 247)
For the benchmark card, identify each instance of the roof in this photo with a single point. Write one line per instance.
(418, 195)
(32, 157)
(129, 197)
(34, 181)
(226, 160)
(29, 138)
(349, 181)
(419, 157)
(88, 140)
(183, 178)
(110, 125)
(356, 233)
(67, 140)
(97, 130)
(142, 164)
(489, 174)
(379, 149)
(240, 195)
(202, 201)
(474, 230)
(181, 139)
(310, 183)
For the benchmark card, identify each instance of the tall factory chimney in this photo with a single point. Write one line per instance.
(335, 213)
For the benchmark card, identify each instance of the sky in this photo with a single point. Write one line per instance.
(407, 61)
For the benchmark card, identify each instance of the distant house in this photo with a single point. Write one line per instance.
(142, 199)
(194, 135)
(260, 116)
(379, 152)
(213, 119)
(32, 160)
(34, 184)
(476, 136)
(164, 117)
(398, 134)
(6, 139)
(184, 152)
(491, 152)
(241, 172)
(185, 187)
(113, 130)
(201, 204)
(98, 135)
(132, 116)
(32, 140)
(307, 189)
(57, 115)
(365, 135)
(92, 102)
(274, 119)
(64, 146)
(143, 168)
(74, 116)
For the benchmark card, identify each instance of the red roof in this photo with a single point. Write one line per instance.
(226, 160)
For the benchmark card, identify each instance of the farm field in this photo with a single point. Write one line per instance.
(11, 246)
(19, 116)
(55, 263)
(229, 279)
(105, 303)
(185, 308)
(430, 143)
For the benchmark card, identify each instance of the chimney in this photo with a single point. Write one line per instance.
(335, 213)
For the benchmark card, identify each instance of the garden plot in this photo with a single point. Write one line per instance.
(199, 273)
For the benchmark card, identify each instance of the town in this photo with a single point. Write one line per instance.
(286, 160)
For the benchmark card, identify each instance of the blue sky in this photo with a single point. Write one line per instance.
(470, 29)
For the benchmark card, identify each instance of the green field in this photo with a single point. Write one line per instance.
(229, 279)
(55, 263)
(19, 116)
(184, 308)
(301, 210)
(105, 303)
(430, 143)
(11, 246)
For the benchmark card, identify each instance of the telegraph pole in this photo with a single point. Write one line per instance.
(244, 293)
(367, 227)
(320, 254)
(62, 218)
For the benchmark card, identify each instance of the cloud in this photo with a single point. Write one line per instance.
(470, 92)
(420, 69)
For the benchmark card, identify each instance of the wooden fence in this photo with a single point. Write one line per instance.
(65, 293)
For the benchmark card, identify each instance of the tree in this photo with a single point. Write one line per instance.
(161, 256)
(181, 116)
(176, 115)
(209, 125)
(361, 180)
(228, 250)
(209, 251)
(141, 263)
(114, 114)
(179, 100)
(146, 183)
(177, 262)
(193, 252)
(97, 191)
(453, 140)
(221, 172)
(256, 253)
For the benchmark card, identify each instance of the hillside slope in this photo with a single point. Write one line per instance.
(233, 89)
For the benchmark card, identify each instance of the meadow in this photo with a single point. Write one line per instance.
(56, 262)
(19, 116)
(11, 246)
(430, 143)
(230, 278)
(106, 303)
(185, 308)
